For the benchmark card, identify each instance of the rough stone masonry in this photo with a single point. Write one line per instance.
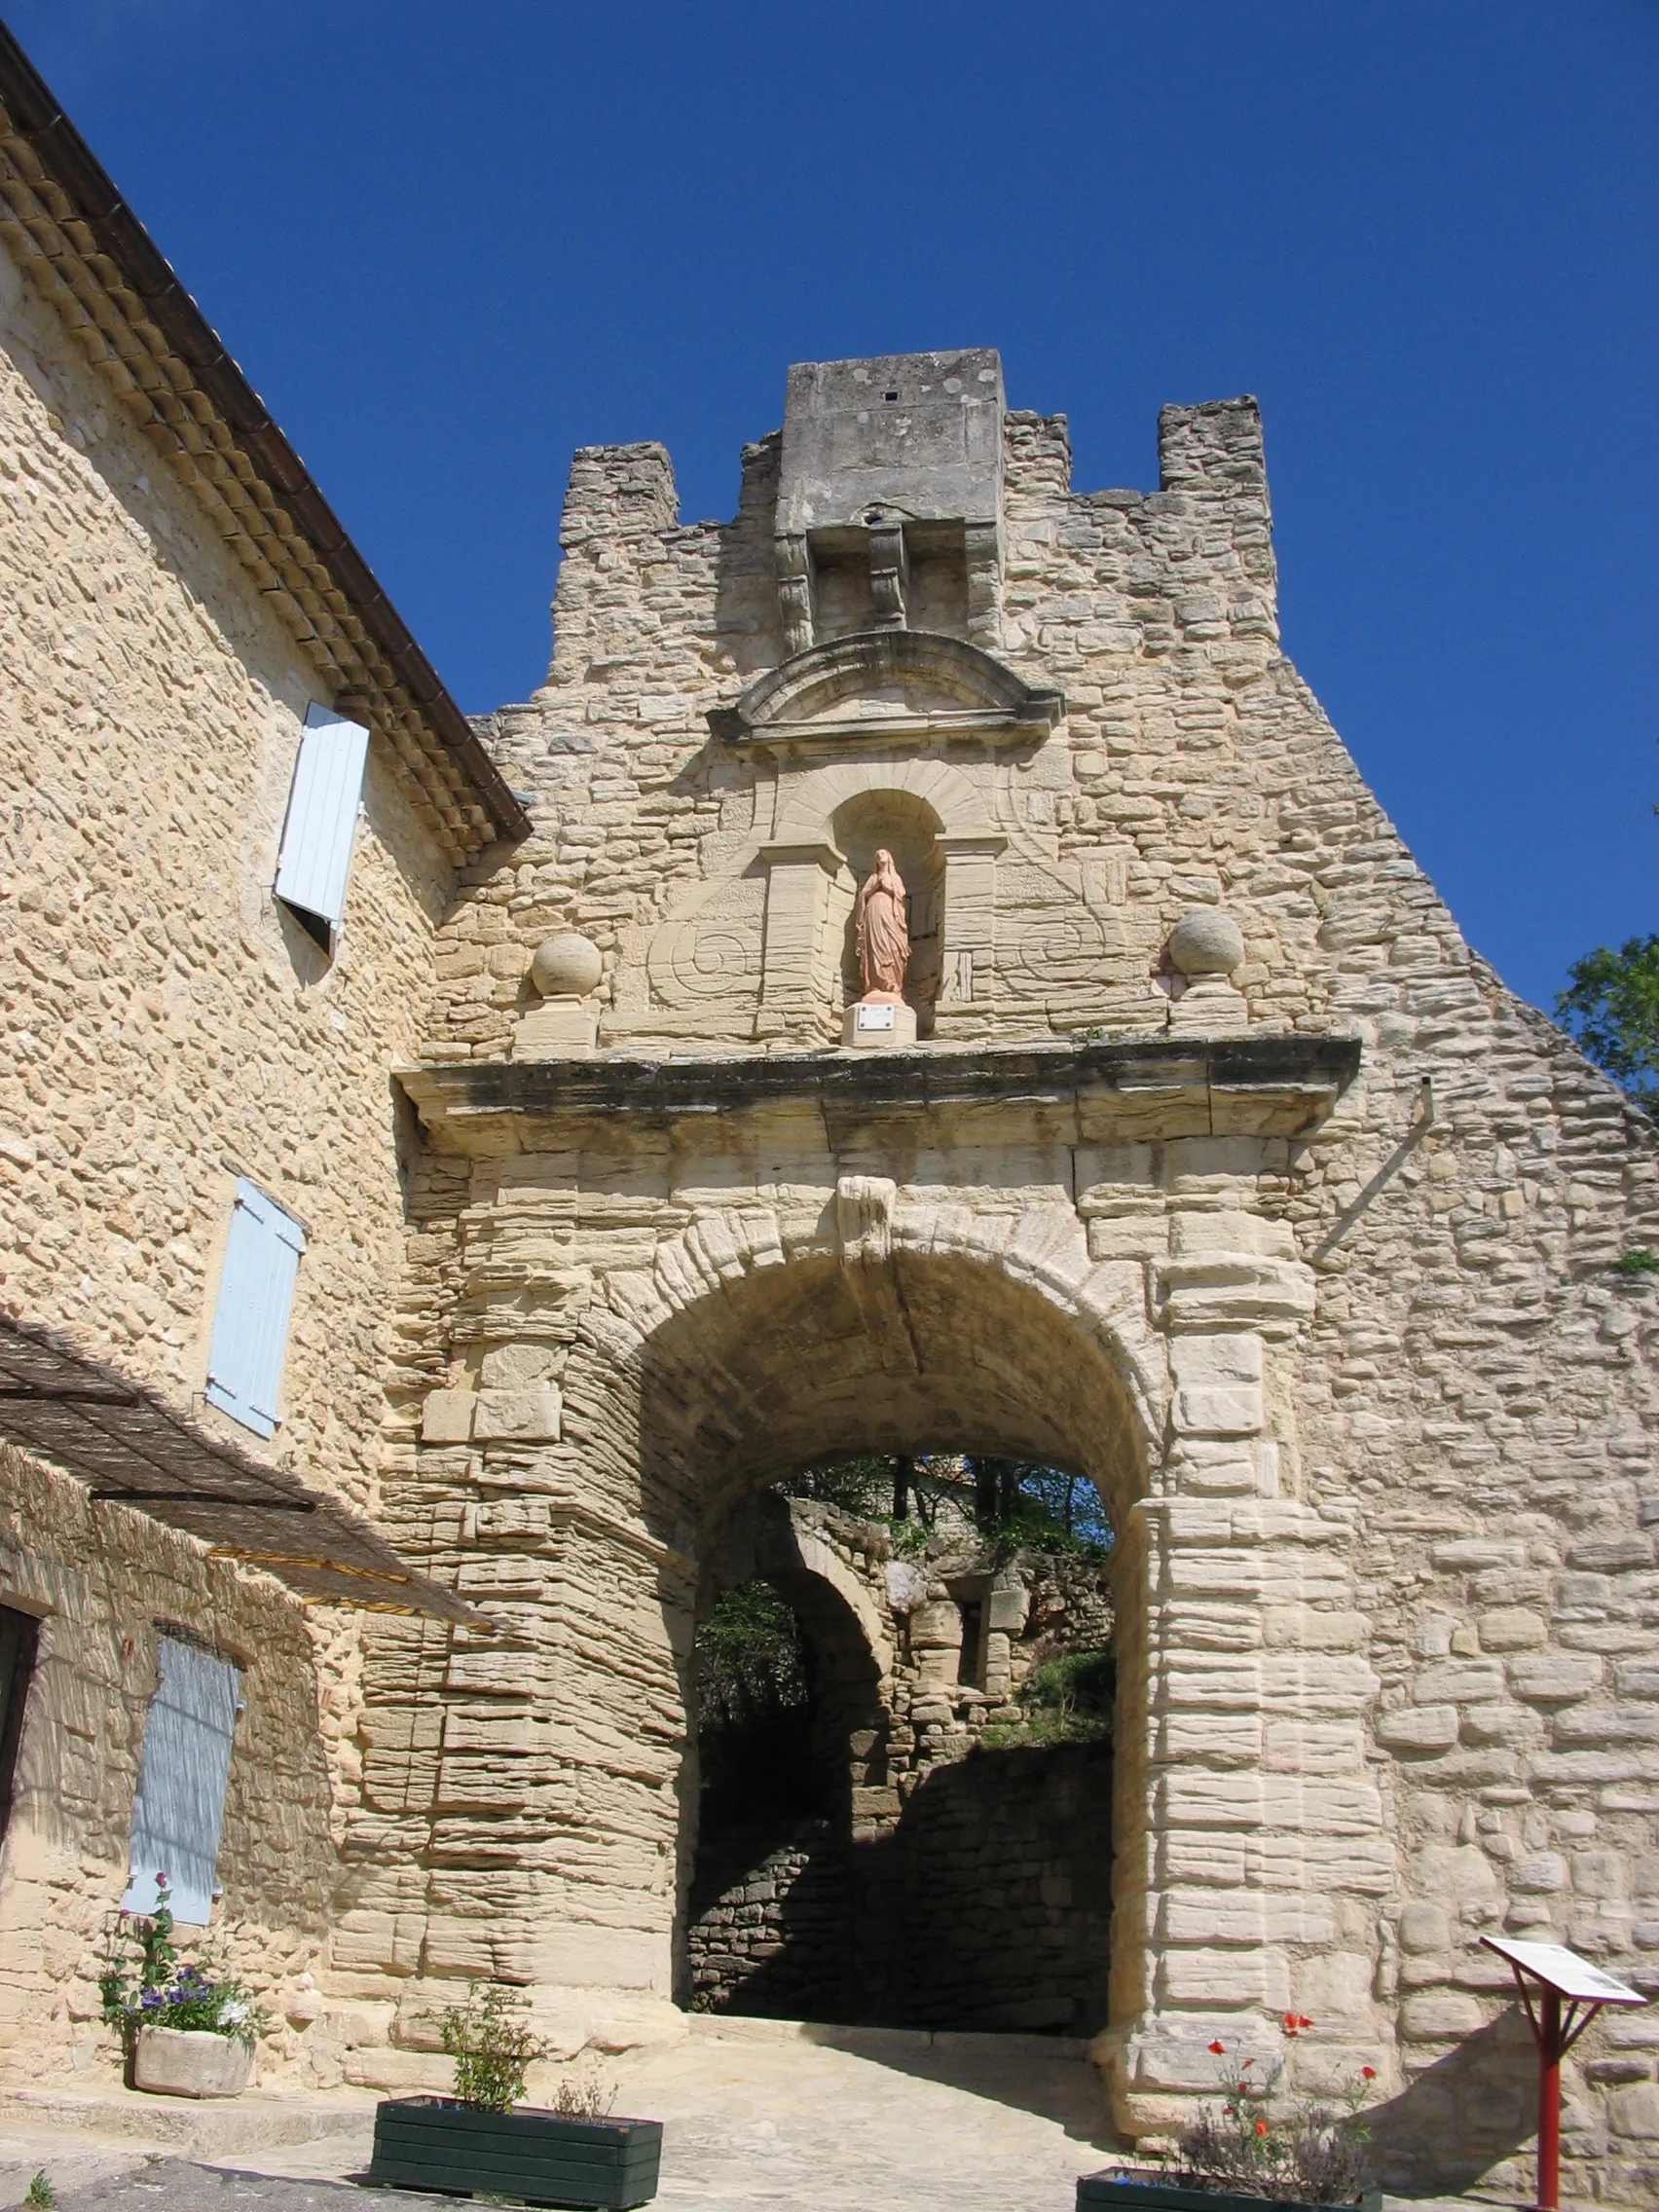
(1220, 1171)
(1223, 1171)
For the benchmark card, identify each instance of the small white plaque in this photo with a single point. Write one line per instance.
(874, 1017)
(1565, 1971)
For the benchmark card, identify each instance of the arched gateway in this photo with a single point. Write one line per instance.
(1219, 1172)
(725, 1292)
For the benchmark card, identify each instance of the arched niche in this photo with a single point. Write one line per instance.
(940, 823)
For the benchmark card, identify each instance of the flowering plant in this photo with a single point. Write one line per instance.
(144, 1985)
(1315, 2152)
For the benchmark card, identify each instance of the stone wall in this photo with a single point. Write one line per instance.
(168, 1025)
(985, 1906)
(768, 1926)
(101, 1579)
(1379, 1452)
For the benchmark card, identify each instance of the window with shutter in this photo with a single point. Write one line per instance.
(250, 1320)
(315, 855)
(183, 1767)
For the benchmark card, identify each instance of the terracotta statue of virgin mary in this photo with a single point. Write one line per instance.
(882, 932)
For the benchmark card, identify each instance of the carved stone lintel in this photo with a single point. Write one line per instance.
(795, 588)
(889, 574)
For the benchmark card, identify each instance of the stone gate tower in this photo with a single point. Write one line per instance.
(1218, 1169)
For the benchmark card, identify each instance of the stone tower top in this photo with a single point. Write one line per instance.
(885, 461)
(915, 436)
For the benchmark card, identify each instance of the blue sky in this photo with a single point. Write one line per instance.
(450, 243)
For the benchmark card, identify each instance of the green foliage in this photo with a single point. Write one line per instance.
(1611, 1007)
(1023, 1505)
(144, 1985)
(1066, 1701)
(1638, 1261)
(40, 2189)
(1016, 1504)
(862, 1484)
(910, 1538)
(754, 1710)
(491, 2041)
(750, 1656)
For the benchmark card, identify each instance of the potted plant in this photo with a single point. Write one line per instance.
(1313, 2156)
(185, 2033)
(482, 2141)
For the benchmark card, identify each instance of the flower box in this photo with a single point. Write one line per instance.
(190, 2062)
(1146, 2193)
(440, 2143)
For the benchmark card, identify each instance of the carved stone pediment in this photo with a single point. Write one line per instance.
(884, 684)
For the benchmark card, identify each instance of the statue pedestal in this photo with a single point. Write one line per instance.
(561, 1028)
(871, 1024)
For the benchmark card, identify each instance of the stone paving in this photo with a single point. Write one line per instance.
(759, 2117)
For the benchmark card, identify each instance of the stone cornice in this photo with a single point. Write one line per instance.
(1119, 1091)
(78, 242)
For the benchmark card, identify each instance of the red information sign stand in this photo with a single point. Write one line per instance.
(1561, 1979)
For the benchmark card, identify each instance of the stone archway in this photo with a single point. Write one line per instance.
(664, 1285)
(913, 1349)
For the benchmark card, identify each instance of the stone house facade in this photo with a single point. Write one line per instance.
(1220, 1171)
(181, 1051)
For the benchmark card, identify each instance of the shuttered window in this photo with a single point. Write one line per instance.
(183, 1768)
(316, 857)
(251, 1321)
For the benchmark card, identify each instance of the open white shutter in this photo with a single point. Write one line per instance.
(250, 1319)
(315, 858)
(182, 1771)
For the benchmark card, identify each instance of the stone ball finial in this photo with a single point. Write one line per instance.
(567, 965)
(1206, 942)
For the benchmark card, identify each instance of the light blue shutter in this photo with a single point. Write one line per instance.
(315, 858)
(182, 1771)
(250, 1320)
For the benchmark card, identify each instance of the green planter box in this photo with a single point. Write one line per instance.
(1137, 2193)
(439, 2143)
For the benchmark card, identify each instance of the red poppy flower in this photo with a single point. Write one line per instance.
(1368, 2072)
(1218, 2048)
(1261, 2127)
(1303, 2021)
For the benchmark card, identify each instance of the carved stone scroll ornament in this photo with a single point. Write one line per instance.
(710, 954)
(794, 589)
(889, 574)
